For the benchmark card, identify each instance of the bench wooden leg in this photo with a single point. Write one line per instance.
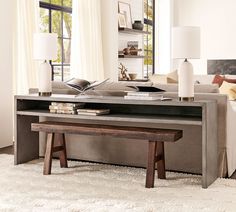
(63, 155)
(150, 174)
(156, 155)
(50, 148)
(48, 154)
(160, 160)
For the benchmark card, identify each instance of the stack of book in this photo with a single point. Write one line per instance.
(144, 95)
(93, 112)
(65, 108)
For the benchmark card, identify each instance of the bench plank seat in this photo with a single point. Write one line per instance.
(166, 135)
(156, 137)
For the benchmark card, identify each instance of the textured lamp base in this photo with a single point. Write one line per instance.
(45, 76)
(186, 99)
(186, 85)
(45, 93)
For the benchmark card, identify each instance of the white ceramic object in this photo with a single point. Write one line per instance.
(186, 82)
(45, 76)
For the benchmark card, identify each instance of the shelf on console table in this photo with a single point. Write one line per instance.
(163, 119)
(131, 56)
(135, 80)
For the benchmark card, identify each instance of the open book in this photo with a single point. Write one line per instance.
(81, 85)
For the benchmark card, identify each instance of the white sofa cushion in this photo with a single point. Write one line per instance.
(198, 88)
(204, 79)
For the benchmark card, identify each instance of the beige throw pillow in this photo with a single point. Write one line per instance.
(158, 78)
(172, 77)
(228, 89)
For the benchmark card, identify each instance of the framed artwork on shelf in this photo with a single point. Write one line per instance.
(122, 20)
(124, 8)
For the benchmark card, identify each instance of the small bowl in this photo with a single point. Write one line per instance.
(132, 76)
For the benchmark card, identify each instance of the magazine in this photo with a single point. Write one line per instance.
(146, 89)
(82, 85)
(145, 94)
(144, 97)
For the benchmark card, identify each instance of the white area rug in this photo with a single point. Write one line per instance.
(96, 187)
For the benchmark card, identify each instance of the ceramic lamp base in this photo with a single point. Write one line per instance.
(186, 99)
(45, 79)
(186, 84)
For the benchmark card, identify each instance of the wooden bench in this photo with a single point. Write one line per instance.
(155, 137)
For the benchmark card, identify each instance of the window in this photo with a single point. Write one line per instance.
(149, 38)
(56, 17)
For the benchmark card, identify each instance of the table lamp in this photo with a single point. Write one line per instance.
(45, 49)
(186, 45)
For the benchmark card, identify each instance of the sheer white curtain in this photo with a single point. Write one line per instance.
(86, 52)
(26, 23)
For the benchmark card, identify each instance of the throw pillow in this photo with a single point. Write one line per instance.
(218, 79)
(158, 78)
(172, 77)
(170, 80)
(228, 89)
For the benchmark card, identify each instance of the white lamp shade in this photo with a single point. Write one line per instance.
(45, 46)
(186, 42)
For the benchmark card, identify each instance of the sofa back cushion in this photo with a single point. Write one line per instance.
(62, 88)
(198, 88)
(122, 86)
(106, 89)
(203, 79)
(171, 77)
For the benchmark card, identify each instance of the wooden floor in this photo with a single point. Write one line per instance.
(9, 150)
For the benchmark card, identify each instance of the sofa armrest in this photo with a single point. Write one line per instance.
(230, 134)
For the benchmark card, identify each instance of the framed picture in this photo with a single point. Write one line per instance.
(122, 20)
(125, 9)
(221, 67)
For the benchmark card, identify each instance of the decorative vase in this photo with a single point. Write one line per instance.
(138, 25)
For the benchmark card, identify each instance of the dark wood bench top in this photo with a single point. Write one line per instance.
(162, 135)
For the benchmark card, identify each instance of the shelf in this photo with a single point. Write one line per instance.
(132, 56)
(155, 119)
(136, 80)
(133, 31)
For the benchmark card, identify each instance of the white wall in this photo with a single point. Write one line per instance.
(6, 76)
(218, 28)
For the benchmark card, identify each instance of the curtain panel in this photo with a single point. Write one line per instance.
(86, 52)
(26, 24)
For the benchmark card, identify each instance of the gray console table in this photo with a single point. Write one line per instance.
(30, 108)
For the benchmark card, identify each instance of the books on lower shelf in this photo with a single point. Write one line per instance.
(65, 108)
(93, 112)
(75, 108)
